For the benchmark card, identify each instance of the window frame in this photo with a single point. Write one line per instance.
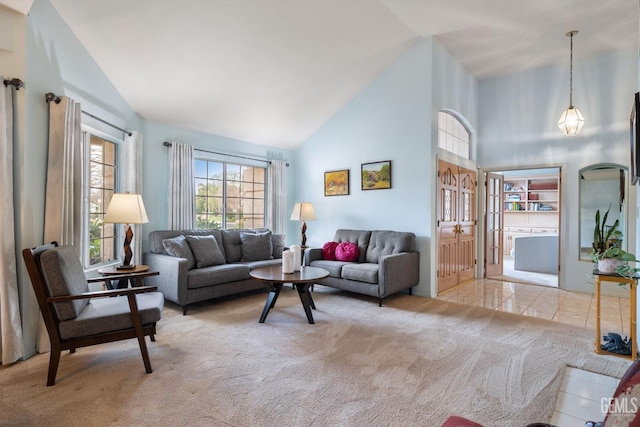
(224, 223)
(86, 133)
(449, 139)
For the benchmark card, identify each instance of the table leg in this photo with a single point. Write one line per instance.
(274, 291)
(632, 315)
(305, 299)
(598, 339)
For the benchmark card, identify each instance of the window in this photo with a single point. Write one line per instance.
(228, 195)
(99, 184)
(453, 136)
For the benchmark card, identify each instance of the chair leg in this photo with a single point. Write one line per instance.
(137, 323)
(54, 361)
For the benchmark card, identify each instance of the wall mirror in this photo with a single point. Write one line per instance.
(602, 186)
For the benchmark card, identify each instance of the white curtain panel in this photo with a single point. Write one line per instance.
(133, 183)
(11, 345)
(64, 175)
(277, 197)
(182, 209)
(63, 202)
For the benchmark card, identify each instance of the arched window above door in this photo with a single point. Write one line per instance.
(453, 136)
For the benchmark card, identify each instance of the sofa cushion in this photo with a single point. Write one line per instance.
(205, 250)
(256, 246)
(333, 267)
(361, 272)
(156, 237)
(216, 275)
(347, 251)
(329, 251)
(383, 242)
(277, 241)
(179, 247)
(359, 237)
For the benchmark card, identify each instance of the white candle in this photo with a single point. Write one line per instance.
(287, 262)
(297, 258)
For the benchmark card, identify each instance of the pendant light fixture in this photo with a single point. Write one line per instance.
(571, 121)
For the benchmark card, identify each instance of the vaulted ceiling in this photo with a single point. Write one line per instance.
(273, 71)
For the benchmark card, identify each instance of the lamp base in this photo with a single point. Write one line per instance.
(126, 267)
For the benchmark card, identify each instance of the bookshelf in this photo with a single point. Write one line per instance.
(539, 194)
(531, 207)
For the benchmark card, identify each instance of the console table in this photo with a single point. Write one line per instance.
(633, 283)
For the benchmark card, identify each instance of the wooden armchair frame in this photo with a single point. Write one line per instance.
(52, 322)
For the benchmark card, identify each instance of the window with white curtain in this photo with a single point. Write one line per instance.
(229, 195)
(453, 136)
(99, 184)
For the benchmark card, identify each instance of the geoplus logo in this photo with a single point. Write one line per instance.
(621, 405)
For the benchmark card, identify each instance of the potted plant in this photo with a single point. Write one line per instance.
(607, 253)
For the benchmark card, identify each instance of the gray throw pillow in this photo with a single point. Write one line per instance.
(178, 247)
(277, 240)
(206, 250)
(256, 246)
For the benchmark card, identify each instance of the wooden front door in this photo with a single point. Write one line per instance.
(456, 218)
(494, 225)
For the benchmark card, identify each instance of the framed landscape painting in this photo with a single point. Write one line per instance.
(336, 183)
(376, 175)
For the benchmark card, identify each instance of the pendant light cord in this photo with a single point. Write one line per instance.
(571, 72)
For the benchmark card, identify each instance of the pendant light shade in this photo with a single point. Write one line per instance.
(571, 121)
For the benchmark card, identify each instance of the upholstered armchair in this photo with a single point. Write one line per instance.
(75, 317)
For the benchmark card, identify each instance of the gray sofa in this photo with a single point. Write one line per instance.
(194, 267)
(387, 263)
(538, 254)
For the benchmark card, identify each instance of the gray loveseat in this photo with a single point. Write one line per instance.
(387, 263)
(198, 265)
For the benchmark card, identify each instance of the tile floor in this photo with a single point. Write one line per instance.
(581, 392)
(581, 397)
(545, 302)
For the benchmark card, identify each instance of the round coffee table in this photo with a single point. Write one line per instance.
(274, 278)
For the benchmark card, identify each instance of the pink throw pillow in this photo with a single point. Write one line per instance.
(329, 251)
(347, 251)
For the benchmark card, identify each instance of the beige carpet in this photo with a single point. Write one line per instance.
(413, 362)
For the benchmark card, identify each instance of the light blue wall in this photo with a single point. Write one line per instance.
(58, 63)
(156, 165)
(389, 120)
(518, 117)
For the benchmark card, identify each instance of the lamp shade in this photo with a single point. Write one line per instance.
(303, 211)
(126, 208)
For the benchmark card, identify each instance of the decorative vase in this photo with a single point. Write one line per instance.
(607, 265)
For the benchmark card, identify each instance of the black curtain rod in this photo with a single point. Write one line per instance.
(16, 83)
(51, 97)
(168, 144)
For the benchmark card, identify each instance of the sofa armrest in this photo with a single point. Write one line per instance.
(312, 254)
(172, 280)
(398, 272)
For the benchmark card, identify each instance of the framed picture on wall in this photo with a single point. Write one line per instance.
(376, 175)
(336, 183)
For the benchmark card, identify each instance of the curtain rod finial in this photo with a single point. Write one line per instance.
(16, 83)
(52, 97)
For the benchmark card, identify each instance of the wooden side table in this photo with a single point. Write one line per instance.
(113, 270)
(633, 283)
